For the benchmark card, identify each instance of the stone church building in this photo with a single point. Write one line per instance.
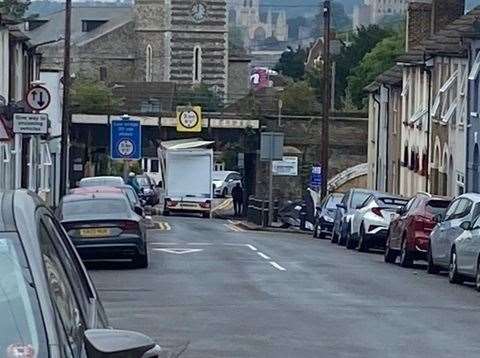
(180, 41)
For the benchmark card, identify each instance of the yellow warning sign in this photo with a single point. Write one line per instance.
(189, 119)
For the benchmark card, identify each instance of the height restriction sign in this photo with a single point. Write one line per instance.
(189, 119)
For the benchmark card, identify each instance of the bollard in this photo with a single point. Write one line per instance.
(303, 217)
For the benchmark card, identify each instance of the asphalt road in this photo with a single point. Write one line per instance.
(245, 294)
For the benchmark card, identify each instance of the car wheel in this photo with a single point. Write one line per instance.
(431, 267)
(166, 213)
(477, 277)
(141, 261)
(390, 256)
(206, 215)
(362, 245)
(350, 243)
(315, 231)
(225, 192)
(342, 239)
(453, 275)
(406, 259)
(334, 238)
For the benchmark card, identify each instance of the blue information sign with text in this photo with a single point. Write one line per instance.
(126, 139)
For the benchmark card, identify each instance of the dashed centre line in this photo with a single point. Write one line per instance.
(261, 254)
(277, 266)
(251, 247)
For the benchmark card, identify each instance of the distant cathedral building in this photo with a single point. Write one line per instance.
(373, 11)
(258, 26)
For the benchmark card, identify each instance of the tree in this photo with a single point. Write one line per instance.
(89, 96)
(200, 95)
(380, 59)
(340, 21)
(292, 63)
(14, 8)
(362, 42)
(298, 98)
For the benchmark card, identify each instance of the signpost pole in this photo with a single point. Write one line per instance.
(18, 161)
(125, 170)
(270, 193)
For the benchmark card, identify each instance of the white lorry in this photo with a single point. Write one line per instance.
(187, 178)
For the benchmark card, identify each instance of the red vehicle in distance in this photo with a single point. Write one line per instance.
(409, 233)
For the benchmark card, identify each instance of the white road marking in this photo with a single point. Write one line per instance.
(178, 251)
(261, 254)
(251, 247)
(167, 226)
(277, 266)
(199, 244)
(164, 243)
(227, 244)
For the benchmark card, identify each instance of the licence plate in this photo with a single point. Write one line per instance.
(94, 232)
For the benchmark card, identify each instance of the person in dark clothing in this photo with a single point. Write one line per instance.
(237, 195)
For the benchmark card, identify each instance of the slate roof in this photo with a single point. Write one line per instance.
(54, 28)
(392, 77)
(135, 94)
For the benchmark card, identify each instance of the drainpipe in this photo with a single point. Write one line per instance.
(468, 129)
(378, 140)
(429, 123)
(387, 157)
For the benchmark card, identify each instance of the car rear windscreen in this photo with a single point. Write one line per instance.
(333, 201)
(359, 198)
(82, 208)
(436, 207)
(392, 202)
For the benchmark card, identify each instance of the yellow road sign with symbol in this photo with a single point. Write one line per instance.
(189, 119)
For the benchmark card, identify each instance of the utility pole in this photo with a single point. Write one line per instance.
(326, 95)
(66, 100)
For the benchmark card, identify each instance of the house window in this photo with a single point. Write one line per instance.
(103, 73)
(197, 64)
(89, 25)
(148, 64)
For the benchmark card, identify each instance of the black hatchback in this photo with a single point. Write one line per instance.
(48, 304)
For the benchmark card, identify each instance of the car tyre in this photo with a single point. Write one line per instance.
(350, 243)
(477, 277)
(390, 256)
(206, 215)
(166, 213)
(362, 245)
(315, 231)
(406, 259)
(342, 239)
(334, 238)
(141, 261)
(225, 192)
(432, 269)
(453, 275)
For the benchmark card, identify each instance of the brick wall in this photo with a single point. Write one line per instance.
(418, 23)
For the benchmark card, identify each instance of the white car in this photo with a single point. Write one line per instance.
(371, 221)
(224, 181)
(101, 181)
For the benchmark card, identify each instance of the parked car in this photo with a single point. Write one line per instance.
(129, 192)
(409, 233)
(441, 251)
(371, 221)
(344, 214)
(101, 181)
(224, 181)
(49, 305)
(325, 216)
(103, 226)
(148, 190)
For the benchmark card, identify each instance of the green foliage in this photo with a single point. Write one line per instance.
(292, 63)
(298, 98)
(362, 42)
(200, 95)
(314, 78)
(380, 59)
(340, 21)
(14, 8)
(89, 96)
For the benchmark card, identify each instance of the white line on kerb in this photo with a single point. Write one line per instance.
(251, 247)
(264, 256)
(277, 266)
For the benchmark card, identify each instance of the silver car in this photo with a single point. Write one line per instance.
(101, 181)
(225, 181)
(441, 251)
(466, 257)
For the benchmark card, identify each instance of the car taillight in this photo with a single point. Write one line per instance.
(129, 225)
(421, 224)
(378, 212)
(20, 351)
(205, 205)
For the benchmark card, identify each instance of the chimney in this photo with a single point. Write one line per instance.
(419, 21)
(445, 12)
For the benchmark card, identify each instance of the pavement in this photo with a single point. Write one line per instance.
(214, 289)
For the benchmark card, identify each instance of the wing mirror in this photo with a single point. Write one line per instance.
(342, 206)
(466, 225)
(138, 210)
(401, 211)
(359, 207)
(104, 343)
(438, 218)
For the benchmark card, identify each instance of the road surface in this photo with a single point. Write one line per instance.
(213, 290)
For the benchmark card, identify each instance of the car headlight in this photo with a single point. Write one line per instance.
(328, 219)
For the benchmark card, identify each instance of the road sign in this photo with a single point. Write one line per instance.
(286, 167)
(30, 123)
(126, 139)
(316, 178)
(38, 98)
(189, 119)
(271, 146)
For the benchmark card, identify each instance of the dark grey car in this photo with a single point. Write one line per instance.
(103, 226)
(344, 214)
(49, 306)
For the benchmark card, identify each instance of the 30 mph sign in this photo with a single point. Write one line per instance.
(38, 98)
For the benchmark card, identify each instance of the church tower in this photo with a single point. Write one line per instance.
(151, 40)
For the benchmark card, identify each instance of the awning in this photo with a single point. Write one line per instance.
(186, 144)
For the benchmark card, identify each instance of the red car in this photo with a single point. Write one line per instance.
(409, 233)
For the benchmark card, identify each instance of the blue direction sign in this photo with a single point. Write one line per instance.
(126, 139)
(316, 178)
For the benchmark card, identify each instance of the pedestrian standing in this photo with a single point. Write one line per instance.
(237, 195)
